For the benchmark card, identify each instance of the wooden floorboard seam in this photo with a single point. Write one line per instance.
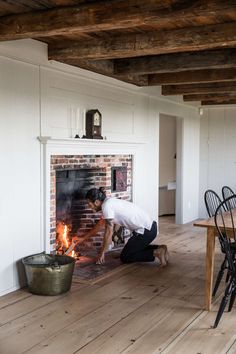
(15, 302)
(52, 300)
(172, 340)
(178, 335)
(87, 314)
(114, 324)
(61, 329)
(232, 347)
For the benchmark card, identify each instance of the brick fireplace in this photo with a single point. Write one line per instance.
(71, 176)
(87, 156)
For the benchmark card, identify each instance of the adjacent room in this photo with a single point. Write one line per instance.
(118, 175)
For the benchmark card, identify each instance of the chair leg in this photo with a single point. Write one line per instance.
(231, 302)
(227, 277)
(219, 276)
(228, 292)
(232, 298)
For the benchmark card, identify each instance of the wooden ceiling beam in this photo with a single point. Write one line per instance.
(209, 96)
(106, 67)
(214, 102)
(191, 77)
(219, 87)
(212, 59)
(109, 15)
(150, 43)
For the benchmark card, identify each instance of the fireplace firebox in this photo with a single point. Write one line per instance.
(71, 177)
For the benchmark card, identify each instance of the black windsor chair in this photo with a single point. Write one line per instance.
(225, 225)
(226, 193)
(212, 201)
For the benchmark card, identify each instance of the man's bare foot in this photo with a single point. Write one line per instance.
(162, 254)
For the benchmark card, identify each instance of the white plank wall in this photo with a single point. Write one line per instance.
(217, 151)
(20, 168)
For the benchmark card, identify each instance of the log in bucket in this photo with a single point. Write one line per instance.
(48, 274)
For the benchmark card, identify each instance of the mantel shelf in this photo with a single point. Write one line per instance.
(80, 141)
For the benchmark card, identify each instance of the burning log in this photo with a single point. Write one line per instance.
(72, 246)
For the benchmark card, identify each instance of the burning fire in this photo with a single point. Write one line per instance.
(64, 236)
(63, 240)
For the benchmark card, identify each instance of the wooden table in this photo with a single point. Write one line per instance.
(210, 252)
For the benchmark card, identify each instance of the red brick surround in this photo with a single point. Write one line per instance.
(100, 163)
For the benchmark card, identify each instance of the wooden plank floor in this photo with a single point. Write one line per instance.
(142, 309)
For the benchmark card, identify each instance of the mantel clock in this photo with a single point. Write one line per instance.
(93, 124)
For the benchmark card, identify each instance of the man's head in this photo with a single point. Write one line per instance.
(95, 198)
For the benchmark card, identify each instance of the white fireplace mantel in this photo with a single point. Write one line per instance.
(55, 144)
(69, 146)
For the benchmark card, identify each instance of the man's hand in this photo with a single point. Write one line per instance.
(101, 259)
(106, 240)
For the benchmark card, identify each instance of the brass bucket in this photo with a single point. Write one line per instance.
(48, 274)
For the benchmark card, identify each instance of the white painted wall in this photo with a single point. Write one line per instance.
(190, 168)
(42, 98)
(217, 151)
(20, 167)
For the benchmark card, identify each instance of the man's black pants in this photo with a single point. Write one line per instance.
(138, 248)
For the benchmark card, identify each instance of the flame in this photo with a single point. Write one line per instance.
(64, 237)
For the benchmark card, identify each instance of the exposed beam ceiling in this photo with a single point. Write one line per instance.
(216, 102)
(218, 87)
(191, 77)
(150, 43)
(213, 59)
(110, 15)
(210, 96)
(187, 46)
(106, 67)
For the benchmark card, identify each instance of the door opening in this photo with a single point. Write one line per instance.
(168, 204)
(170, 167)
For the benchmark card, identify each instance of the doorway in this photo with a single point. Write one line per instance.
(167, 165)
(170, 155)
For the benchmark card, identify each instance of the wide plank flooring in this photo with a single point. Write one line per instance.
(142, 309)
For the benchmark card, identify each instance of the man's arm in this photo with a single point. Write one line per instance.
(93, 232)
(109, 226)
(79, 239)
